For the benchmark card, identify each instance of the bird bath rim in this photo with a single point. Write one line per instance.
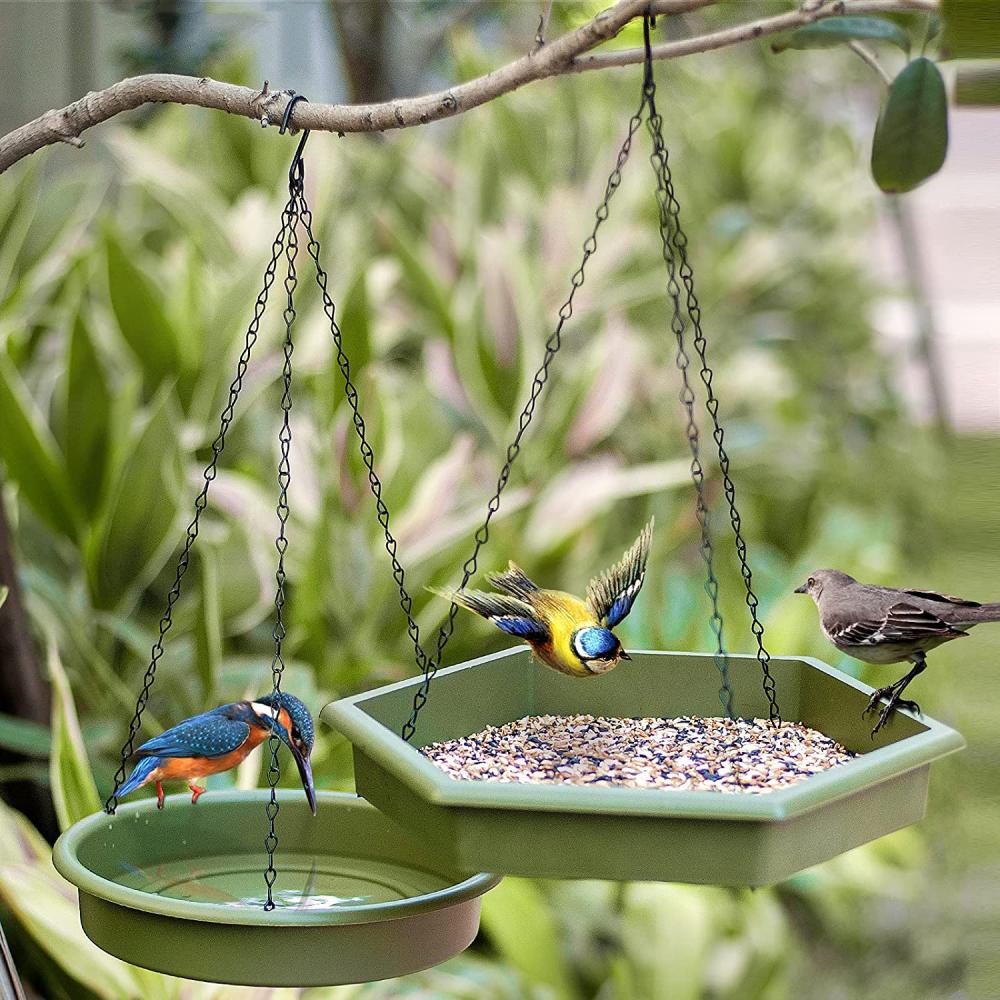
(67, 861)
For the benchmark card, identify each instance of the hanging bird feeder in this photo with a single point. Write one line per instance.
(347, 894)
(563, 831)
(642, 834)
(206, 891)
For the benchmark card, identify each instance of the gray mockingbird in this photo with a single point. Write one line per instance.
(884, 625)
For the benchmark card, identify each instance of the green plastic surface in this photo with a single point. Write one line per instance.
(644, 834)
(181, 891)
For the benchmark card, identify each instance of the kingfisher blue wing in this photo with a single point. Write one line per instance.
(212, 734)
(612, 594)
(512, 615)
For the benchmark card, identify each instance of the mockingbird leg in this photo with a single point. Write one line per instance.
(893, 691)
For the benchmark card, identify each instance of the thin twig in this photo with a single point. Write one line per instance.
(869, 57)
(570, 53)
(543, 25)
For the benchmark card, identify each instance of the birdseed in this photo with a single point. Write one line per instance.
(690, 753)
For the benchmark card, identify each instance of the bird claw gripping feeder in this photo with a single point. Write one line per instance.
(351, 896)
(339, 897)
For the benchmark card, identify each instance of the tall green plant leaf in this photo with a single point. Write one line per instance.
(971, 29)
(208, 625)
(133, 535)
(88, 409)
(521, 926)
(911, 136)
(140, 316)
(23, 736)
(31, 455)
(74, 792)
(838, 30)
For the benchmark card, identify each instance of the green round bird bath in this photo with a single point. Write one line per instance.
(181, 891)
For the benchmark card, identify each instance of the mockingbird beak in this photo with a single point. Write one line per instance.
(802, 590)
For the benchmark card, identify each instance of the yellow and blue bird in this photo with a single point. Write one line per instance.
(570, 635)
(221, 739)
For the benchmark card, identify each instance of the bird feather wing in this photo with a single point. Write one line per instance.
(508, 613)
(931, 595)
(903, 623)
(513, 581)
(208, 735)
(612, 594)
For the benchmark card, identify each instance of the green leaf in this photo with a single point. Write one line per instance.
(838, 30)
(522, 928)
(22, 736)
(971, 29)
(208, 625)
(31, 455)
(140, 316)
(4, 591)
(133, 536)
(911, 136)
(74, 793)
(88, 409)
(978, 86)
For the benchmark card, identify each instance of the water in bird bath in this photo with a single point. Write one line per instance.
(304, 882)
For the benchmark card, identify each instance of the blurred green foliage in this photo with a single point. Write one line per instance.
(127, 284)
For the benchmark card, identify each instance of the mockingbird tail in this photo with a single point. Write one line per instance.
(984, 613)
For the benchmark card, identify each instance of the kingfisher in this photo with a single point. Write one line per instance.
(221, 739)
(564, 632)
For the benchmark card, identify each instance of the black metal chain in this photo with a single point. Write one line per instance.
(296, 185)
(281, 545)
(658, 158)
(429, 665)
(552, 346)
(200, 503)
(678, 240)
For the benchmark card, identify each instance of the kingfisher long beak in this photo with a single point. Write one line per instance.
(802, 590)
(624, 656)
(305, 773)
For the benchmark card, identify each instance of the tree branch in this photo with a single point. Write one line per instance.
(569, 53)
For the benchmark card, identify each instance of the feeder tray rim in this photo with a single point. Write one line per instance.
(66, 859)
(387, 748)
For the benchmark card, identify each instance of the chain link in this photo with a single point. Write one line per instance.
(679, 242)
(688, 399)
(200, 503)
(281, 542)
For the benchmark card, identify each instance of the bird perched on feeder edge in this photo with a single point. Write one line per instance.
(884, 625)
(570, 635)
(221, 739)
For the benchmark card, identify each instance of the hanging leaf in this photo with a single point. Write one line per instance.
(22, 736)
(911, 136)
(31, 455)
(971, 29)
(4, 591)
(88, 409)
(140, 317)
(838, 30)
(133, 536)
(74, 793)
(978, 86)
